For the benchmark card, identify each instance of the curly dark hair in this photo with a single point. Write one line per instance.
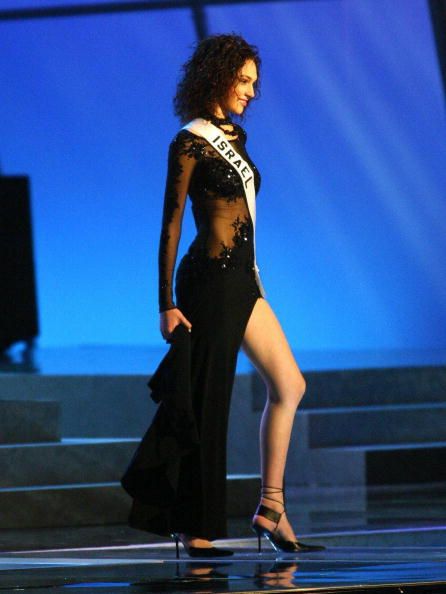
(210, 72)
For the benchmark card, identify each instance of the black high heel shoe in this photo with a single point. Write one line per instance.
(279, 544)
(200, 551)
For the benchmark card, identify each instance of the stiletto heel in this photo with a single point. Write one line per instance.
(279, 544)
(259, 543)
(177, 548)
(199, 551)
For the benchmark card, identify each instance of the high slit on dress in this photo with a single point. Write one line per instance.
(177, 477)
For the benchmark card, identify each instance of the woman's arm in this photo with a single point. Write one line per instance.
(181, 163)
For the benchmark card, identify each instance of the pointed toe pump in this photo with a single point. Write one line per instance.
(278, 543)
(203, 552)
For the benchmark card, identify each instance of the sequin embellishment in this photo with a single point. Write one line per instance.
(224, 230)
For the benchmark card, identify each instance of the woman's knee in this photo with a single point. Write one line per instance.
(289, 391)
(300, 387)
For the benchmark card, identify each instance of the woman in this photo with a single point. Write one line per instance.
(179, 488)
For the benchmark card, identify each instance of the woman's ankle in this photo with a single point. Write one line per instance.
(277, 503)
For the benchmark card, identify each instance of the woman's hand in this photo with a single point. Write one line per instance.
(169, 319)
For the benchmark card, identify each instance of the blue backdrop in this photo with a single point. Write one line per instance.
(349, 136)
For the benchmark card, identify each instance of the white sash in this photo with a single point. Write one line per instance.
(217, 139)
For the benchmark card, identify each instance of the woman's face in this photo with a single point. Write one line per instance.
(242, 91)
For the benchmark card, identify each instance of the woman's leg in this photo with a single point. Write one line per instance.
(266, 346)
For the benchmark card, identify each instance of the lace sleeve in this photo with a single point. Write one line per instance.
(181, 163)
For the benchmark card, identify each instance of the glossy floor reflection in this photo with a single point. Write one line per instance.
(391, 539)
(153, 568)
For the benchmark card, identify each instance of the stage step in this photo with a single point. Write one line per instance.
(362, 387)
(68, 461)
(400, 423)
(29, 421)
(97, 503)
(388, 464)
(93, 405)
(342, 412)
(99, 405)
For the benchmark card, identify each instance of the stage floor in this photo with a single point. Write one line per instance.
(153, 568)
(396, 543)
(385, 538)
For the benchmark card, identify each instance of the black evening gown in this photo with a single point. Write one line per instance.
(177, 477)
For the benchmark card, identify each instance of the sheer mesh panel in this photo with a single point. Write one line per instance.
(222, 219)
